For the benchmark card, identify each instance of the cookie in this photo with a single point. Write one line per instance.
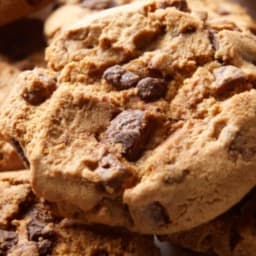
(14, 9)
(71, 11)
(145, 118)
(28, 227)
(232, 234)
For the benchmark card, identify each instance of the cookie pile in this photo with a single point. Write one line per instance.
(128, 119)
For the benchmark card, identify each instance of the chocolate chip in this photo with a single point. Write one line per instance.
(39, 88)
(157, 214)
(20, 152)
(131, 129)
(150, 89)
(39, 219)
(227, 76)
(128, 80)
(181, 5)
(98, 4)
(120, 78)
(115, 176)
(7, 240)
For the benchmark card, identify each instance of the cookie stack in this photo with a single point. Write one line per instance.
(140, 122)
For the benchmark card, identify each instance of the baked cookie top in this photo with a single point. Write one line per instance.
(27, 227)
(145, 118)
(71, 11)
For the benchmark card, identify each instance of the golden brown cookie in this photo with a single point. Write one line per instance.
(71, 11)
(232, 234)
(145, 117)
(28, 228)
(14, 9)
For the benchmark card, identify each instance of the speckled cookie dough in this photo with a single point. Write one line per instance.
(145, 118)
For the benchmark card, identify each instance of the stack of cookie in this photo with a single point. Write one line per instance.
(140, 122)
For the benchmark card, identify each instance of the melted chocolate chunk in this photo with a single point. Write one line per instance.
(120, 78)
(181, 5)
(20, 152)
(150, 89)
(158, 214)
(98, 4)
(114, 175)
(40, 89)
(7, 240)
(131, 129)
(227, 76)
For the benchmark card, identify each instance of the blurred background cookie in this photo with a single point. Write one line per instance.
(14, 9)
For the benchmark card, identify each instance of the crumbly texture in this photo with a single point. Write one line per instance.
(232, 234)
(145, 118)
(9, 159)
(27, 227)
(12, 10)
(72, 10)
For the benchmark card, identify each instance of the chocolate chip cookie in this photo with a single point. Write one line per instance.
(232, 234)
(145, 117)
(27, 227)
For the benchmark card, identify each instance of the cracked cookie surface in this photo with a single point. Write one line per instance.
(146, 116)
